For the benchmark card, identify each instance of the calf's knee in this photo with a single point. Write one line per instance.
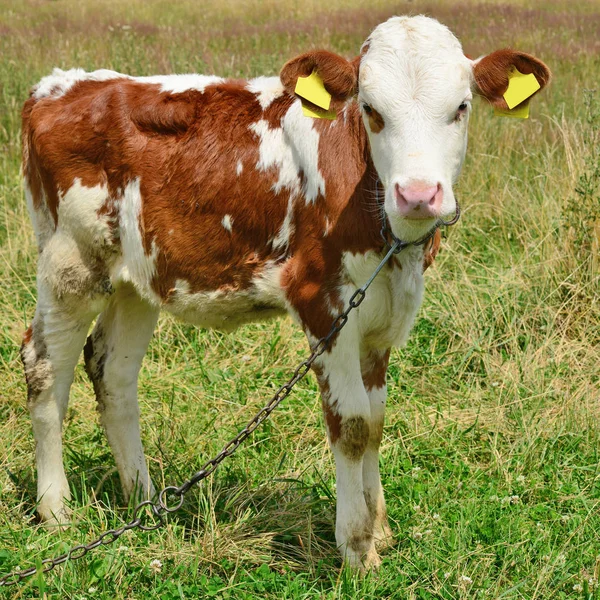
(353, 438)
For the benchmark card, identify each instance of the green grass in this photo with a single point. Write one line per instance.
(490, 454)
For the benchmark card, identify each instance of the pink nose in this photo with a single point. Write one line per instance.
(419, 200)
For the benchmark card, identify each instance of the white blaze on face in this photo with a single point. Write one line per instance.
(415, 76)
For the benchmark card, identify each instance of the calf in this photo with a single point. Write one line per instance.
(221, 202)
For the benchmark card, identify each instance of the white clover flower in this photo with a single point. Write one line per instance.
(156, 566)
(515, 499)
(466, 579)
(447, 574)
(578, 587)
(436, 516)
(417, 535)
(564, 518)
(520, 479)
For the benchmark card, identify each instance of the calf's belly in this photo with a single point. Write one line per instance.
(223, 310)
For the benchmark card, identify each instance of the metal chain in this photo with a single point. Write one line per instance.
(163, 505)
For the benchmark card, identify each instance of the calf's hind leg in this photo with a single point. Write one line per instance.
(50, 350)
(113, 357)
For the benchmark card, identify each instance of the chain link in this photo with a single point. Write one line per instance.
(149, 515)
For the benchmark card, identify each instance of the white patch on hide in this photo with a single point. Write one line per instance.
(60, 82)
(282, 239)
(239, 168)
(78, 214)
(388, 312)
(267, 89)
(304, 141)
(275, 152)
(226, 309)
(176, 84)
(226, 221)
(137, 266)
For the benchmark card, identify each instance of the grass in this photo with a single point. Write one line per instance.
(490, 455)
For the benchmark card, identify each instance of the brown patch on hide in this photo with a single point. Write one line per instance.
(374, 369)
(376, 122)
(354, 437)
(311, 277)
(431, 249)
(34, 356)
(333, 421)
(27, 335)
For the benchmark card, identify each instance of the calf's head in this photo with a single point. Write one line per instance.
(414, 87)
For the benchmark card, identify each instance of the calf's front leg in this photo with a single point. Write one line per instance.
(374, 368)
(347, 413)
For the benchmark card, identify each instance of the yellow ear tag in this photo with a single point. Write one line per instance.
(520, 87)
(521, 112)
(307, 111)
(311, 88)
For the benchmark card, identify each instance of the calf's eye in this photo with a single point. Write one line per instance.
(367, 109)
(461, 110)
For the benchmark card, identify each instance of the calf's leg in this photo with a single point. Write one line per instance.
(348, 420)
(113, 357)
(374, 367)
(67, 304)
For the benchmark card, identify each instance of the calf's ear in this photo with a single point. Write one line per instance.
(339, 75)
(491, 73)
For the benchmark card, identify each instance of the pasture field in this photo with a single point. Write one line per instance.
(490, 459)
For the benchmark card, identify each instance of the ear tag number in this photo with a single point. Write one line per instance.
(311, 88)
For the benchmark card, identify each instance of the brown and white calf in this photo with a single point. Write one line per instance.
(220, 202)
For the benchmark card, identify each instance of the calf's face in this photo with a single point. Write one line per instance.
(414, 92)
(414, 87)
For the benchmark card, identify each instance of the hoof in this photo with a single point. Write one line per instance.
(383, 537)
(362, 562)
(55, 518)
